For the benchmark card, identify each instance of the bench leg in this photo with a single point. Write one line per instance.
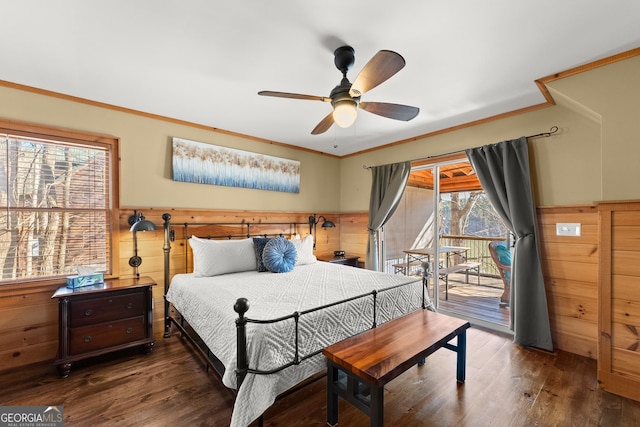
(376, 410)
(462, 357)
(332, 395)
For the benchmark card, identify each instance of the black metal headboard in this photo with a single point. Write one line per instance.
(220, 230)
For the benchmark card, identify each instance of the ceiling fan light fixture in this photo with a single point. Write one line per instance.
(345, 113)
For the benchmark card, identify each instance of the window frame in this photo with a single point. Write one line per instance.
(111, 144)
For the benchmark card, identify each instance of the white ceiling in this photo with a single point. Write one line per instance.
(204, 61)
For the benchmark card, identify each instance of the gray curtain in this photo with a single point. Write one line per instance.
(387, 186)
(503, 171)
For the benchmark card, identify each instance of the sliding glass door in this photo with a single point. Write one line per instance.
(445, 212)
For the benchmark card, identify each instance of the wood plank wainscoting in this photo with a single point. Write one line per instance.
(570, 268)
(28, 331)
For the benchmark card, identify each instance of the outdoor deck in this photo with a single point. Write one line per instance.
(473, 300)
(470, 300)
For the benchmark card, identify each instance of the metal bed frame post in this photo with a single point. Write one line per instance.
(241, 306)
(167, 249)
(242, 365)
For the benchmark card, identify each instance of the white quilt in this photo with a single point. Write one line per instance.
(207, 304)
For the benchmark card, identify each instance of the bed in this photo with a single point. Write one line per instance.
(263, 330)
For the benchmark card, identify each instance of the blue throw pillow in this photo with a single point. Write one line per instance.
(259, 243)
(279, 255)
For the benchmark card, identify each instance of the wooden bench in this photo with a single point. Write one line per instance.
(465, 266)
(379, 355)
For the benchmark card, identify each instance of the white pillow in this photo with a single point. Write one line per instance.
(214, 257)
(305, 250)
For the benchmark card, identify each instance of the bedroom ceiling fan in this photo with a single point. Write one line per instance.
(345, 98)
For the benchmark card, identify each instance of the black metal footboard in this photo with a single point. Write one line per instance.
(242, 306)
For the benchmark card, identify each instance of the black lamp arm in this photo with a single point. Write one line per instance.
(313, 222)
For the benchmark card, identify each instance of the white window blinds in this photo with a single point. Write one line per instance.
(55, 207)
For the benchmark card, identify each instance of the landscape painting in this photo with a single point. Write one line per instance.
(202, 163)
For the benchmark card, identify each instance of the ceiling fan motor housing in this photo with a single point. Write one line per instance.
(340, 93)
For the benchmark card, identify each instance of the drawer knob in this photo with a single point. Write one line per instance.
(129, 330)
(87, 338)
(130, 305)
(89, 312)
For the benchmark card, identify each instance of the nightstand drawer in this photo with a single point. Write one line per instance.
(103, 335)
(103, 309)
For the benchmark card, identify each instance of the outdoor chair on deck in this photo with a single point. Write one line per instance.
(501, 256)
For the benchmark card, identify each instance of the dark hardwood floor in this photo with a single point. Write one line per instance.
(506, 386)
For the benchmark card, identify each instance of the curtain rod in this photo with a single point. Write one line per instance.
(552, 130)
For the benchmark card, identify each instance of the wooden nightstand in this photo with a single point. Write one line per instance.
(344, 260)
(95, 320)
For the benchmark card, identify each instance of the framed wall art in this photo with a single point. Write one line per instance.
(202, 163)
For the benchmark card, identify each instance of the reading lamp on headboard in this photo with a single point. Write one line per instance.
(138, 223)
(313, 222)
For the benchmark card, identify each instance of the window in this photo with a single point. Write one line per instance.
(56, 202)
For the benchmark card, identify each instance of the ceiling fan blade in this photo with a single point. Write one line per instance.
(294, 96)
(392, 111)
(324, 125)
(381, 67)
